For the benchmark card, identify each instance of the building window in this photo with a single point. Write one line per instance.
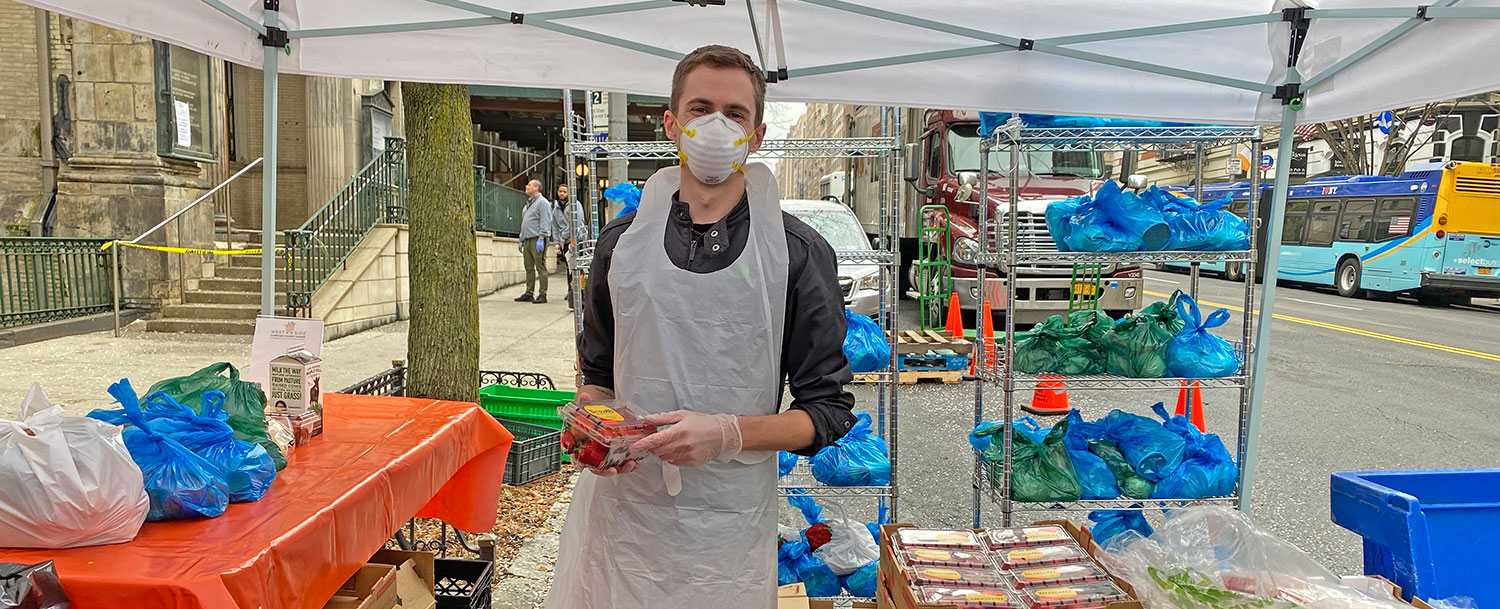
(1468, 148)
(184, 103)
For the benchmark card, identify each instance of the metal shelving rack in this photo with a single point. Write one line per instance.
(1000, 250)
(584, 147)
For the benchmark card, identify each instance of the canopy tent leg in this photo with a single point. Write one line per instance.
(1248, 451)
(268, 173)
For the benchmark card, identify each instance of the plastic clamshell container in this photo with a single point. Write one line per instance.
(967, 598)
(1025, 537)
(599, 434)
(1056, 575)
(934, 538)
(1434, 532)
(1073, 596)
(938, 557)
(1023, 558)
(957, 577)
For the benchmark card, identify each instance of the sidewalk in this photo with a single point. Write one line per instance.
(76, 370)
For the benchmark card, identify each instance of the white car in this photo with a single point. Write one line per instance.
(841, 229)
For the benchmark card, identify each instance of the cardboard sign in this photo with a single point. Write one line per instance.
(274, 336)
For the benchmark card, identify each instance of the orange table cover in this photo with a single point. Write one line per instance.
(380, 461)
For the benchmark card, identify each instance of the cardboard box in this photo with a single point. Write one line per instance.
(372, 587)
(792, 596)
(304, 427)
(893, 581)
(416, 575)
(296, 384)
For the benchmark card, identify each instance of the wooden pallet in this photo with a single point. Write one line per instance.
(918, 342)
(912, 377)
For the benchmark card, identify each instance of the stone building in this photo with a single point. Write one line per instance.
(104, 134)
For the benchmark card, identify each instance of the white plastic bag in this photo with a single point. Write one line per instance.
(851, 547)
(66, 482)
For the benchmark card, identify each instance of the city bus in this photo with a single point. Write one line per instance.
(1432, 232)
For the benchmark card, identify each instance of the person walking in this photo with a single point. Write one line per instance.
(536, 227)
(564, 205)
(699, 308)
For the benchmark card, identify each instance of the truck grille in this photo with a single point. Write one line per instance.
(1032, 236)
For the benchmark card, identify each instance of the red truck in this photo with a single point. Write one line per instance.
(943, 169)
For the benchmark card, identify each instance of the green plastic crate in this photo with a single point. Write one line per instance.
(523, 404)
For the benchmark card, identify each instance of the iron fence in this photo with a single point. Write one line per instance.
(47, 279)
(317, 248)
(497, 208)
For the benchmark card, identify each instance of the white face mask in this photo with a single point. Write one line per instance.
(713, 147)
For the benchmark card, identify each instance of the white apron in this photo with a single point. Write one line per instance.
(706, 342)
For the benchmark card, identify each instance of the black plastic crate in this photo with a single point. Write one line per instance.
(536, 452)
(393, 381)
(462, 583)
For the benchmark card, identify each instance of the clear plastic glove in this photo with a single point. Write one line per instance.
(693, 438)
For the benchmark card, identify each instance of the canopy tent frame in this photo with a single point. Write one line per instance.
(1290, 92)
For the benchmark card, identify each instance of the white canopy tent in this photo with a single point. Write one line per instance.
(1213, 61)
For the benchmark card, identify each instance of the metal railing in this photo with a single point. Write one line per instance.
(497, 208)
(49, 278)
(319, 247)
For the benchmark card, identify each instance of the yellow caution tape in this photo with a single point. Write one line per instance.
(188, 250)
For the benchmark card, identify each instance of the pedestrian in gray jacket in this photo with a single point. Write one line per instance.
(560, 234)
(536, 228)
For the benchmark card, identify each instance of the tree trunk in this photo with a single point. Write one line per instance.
(442, 344)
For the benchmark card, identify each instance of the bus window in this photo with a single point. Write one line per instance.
(1394, 218)
(1321, 222)
(1240, 208)
(1354, 224)
(1295, 223)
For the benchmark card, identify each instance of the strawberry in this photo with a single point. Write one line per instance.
(568, 443)
(817, 535)
(593, 454)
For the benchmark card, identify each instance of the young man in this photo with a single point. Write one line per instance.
(698, 307)
(536, 227)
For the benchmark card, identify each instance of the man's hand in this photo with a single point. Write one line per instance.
(694, 438)
(589, 393)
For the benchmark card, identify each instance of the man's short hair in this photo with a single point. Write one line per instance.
(720, 56)
(537, 183)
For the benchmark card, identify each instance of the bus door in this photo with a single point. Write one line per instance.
(1262, 226)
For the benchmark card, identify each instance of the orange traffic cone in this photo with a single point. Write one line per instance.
(1195, 416)
(1050, 397)
(955, 325)
(989, 324)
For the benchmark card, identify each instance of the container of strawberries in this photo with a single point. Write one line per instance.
(599, 433)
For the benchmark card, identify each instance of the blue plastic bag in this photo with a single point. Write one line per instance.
(1206, 227)
(875, 526)
(1150, 449)
(1059, 215)
(1197, 354)
(1206, 471)
(154, 408)
(1093, 474)
(785, 463)
(861, 583)
(247, 466)
(988, 121)
(179, 483)
(1110, 524)
(808, 569)
(811, 511)
(627, 195)
(1112, 221)
(864, 344)
(859, 458)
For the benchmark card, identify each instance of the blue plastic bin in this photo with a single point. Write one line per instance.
(1435, 532)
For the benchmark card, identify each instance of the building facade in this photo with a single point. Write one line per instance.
(104, 134)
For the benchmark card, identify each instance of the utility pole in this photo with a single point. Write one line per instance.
(619, 169)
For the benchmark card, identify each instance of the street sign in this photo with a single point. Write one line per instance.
(1266, 161)
(1298, 168)
(1232, 166)
(1385, 121)
(599, 110)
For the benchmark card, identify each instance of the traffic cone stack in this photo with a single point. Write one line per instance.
(1193, 393)
(1050, 397)
(989, 324)
(955, 325)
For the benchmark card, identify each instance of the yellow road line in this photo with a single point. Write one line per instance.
(1397, 339)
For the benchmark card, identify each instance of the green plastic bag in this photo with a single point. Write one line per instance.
(1093, 323)
(1137, 346)
(1131, 484)
(1057, 348)
(243, 400)
(1039, 471)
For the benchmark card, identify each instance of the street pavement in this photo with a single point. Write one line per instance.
(76, 370)
(1337, 399)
